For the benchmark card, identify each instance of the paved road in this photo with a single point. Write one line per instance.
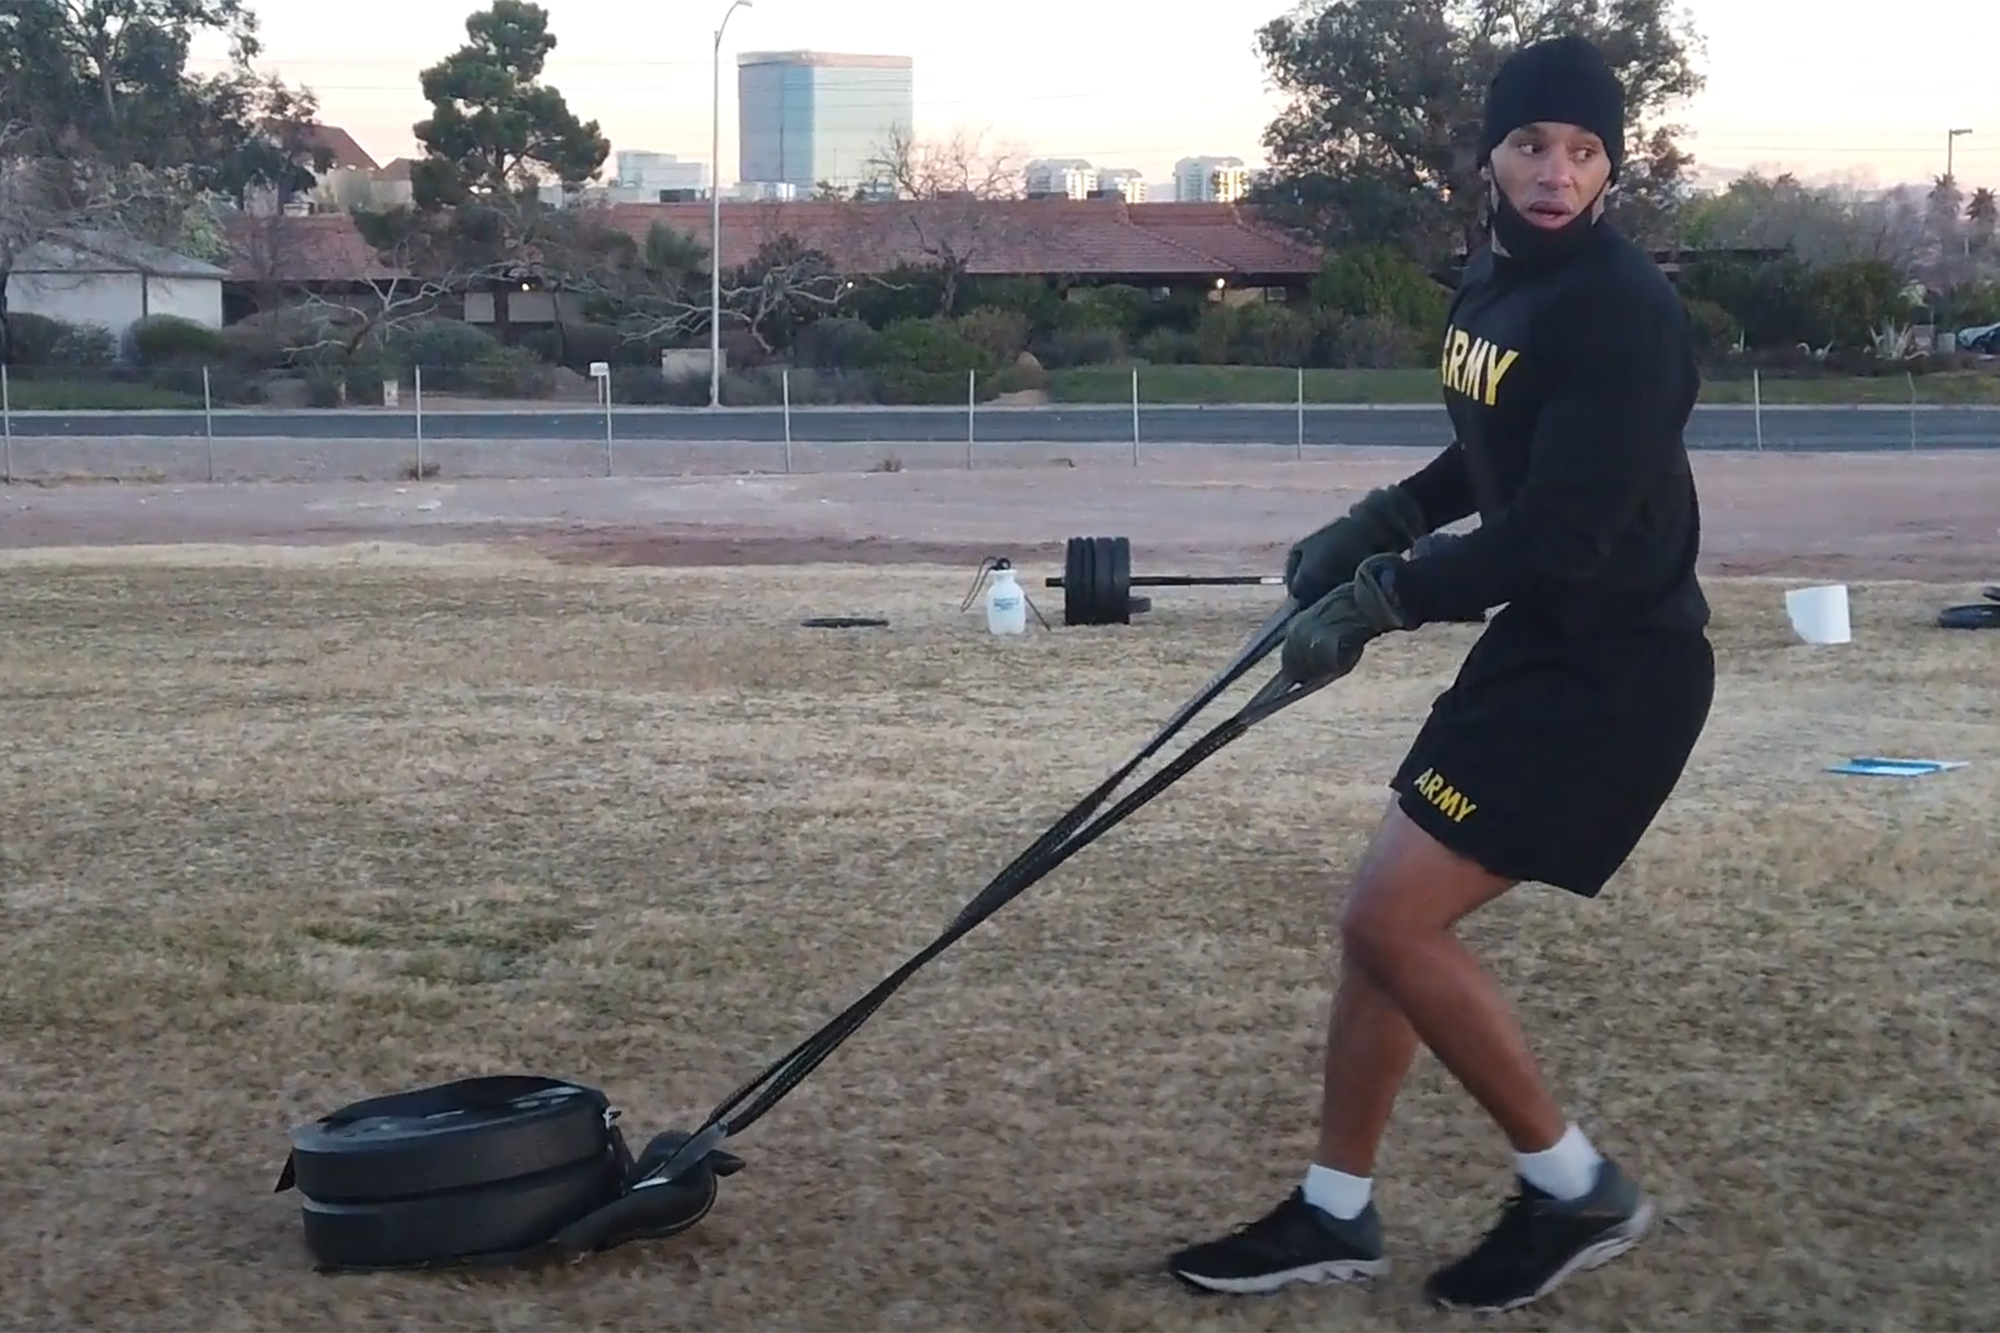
(1828, 428)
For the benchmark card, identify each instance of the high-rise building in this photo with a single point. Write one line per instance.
(807, 118)
(647, 174)
(1219, 180)
(1122, 181)
(1068, 177)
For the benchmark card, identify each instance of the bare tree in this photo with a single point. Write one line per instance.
(47, 197)
(658, 287)
(1822, 225)
(345, 325)
(951, 199)
(304, 316)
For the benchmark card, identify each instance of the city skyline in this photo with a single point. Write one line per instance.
(1061, 82)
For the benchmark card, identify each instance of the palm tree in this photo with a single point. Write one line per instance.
(1982, 211)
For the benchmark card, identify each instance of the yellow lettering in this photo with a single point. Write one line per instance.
(1430, 785)
(1496, 370)
(1461, 347)
(1473, 366)
(1468, 372)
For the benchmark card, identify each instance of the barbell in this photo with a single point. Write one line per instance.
(1097, 582)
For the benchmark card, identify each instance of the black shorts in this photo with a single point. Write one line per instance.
(1547, 758)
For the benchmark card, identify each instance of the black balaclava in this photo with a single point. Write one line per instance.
(1562, 79)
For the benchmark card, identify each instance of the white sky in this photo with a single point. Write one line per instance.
(1814, 87)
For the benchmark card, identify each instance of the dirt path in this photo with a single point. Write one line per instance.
(1908, 516)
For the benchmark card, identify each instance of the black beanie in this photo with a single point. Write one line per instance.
(1562, 79)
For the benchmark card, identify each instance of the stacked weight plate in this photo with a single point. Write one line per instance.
(1097, 582)
(418, 1179)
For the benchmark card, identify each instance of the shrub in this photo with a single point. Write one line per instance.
(1080, 345)
(510, 372)
(928, 347)
(1377, 282)
(1118, 307)
(32, 338)
(1002, 333)
(166, 340)
(37, 340)
(86, 345)
(1369, 343)
(1257, 334)
(1170, 347)
(1715, 329)
(838, 343)
(443, 345)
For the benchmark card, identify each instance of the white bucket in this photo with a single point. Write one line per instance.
(1819, 615)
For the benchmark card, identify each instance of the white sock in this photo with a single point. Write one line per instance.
(1566, 1171)
(1337, 1192)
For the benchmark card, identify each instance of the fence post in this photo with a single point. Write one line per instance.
(1912, 380)
(1135, 416)
(208, 419)
(1299, 450)
(607, 423)
(6, 428)
(1757, 405)
(418, 373)
(785, 382)
(971, 411)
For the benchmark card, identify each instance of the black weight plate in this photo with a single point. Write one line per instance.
(399, 1157)
(1086, 581)
(1109, 605)
(491, 1219)
(1076, 589)
(1120, 592)
(1138, 606)
(1972, 615)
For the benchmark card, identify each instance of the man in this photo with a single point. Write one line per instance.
(1569, 375)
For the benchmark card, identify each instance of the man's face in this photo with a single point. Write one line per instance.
(1550, 172)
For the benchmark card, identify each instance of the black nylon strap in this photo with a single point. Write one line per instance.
(1063, 840)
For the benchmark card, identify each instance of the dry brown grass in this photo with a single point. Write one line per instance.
(277, 837)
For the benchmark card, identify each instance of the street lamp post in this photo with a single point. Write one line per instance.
(715, 217)
(1950, 142)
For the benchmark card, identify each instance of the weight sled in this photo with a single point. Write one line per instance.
(492, 1170)
(1971, 615)
(498, 1170)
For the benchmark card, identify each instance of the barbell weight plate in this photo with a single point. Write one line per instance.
(1075, 585)
(1101, 610)
(1118, 583)
(452, 1137)
(1972, 615)
(1113, 589)
(498, 1218)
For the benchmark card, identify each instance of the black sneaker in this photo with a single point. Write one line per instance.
(1541, 1241)
(1294, 1242)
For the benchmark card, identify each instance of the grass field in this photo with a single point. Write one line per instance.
(289, 831)
(1277, 384)
(53, 395)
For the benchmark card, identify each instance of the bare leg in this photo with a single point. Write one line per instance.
(1404, 977)
(1370, 1046)
(1397, 928)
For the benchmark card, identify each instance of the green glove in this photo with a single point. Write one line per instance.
(1386, 519)
(1325, 641)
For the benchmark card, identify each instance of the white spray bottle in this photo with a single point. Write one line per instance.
(1006, 603)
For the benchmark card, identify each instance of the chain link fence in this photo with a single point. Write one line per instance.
(206, 423)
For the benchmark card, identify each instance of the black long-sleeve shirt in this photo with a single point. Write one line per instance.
(1569, 386)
